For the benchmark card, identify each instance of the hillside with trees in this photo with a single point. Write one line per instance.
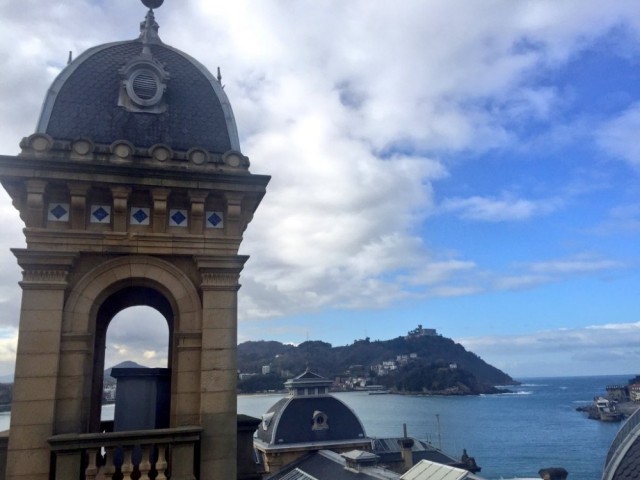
(415, 363)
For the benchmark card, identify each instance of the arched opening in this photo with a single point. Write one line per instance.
(136, 336)
(124, 302)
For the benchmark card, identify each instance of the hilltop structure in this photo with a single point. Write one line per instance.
(133, 191)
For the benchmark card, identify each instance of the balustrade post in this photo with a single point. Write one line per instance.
(92, 467)
(109, 467)
(161, 463)
(68, 465)
(127, 464)
(182, 459)
(145, 464)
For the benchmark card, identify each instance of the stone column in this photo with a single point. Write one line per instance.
(78, 193)
(160, 196)
(37, 362)
(197, 199)
(35, 203)
(120, 200)
(218, 404)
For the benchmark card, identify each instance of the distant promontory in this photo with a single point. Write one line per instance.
(422, 362)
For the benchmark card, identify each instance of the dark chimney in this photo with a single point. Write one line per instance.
(553, 474)
(406, 444)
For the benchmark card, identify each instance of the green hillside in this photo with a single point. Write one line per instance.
(436, 364)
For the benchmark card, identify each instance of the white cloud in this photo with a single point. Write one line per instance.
(532, 274)
(623, 219)
(437, 272)
(606, 349)
(619, 136)
(576, 265)
(506, 208)
(139, 334)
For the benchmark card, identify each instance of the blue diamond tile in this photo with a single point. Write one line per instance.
(100, 214)
(178, 217)
(214, 219)
(140, 216)
(59, 212)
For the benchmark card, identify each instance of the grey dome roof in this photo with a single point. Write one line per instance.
(290, 420)
(83, 102)
(623, 459)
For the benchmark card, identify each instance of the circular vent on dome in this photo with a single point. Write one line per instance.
(145, 85)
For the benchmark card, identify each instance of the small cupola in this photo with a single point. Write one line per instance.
(356, 460)
(308, 384)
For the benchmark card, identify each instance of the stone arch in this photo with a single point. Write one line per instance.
(106, 290)
(141, 271)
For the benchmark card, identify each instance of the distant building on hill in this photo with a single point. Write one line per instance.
(421, 332)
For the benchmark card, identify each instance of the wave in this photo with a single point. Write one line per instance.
(509, 394)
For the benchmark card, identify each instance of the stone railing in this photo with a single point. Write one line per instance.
(164, 454)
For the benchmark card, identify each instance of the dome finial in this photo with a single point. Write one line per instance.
(149, 28)
(151, 4)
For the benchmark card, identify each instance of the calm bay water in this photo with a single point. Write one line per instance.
(510, 435)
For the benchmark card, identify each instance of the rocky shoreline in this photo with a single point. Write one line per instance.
(625, 408)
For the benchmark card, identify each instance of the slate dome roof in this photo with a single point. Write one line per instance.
(190, 108)
(623, 458)
(309, 415)
(291, 420)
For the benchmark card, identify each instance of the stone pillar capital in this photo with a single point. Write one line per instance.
(44, 270)
(220, 273)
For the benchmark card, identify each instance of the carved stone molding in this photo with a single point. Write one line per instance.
(219, 280)
(45, 276)
(44, 270)
(220, 273)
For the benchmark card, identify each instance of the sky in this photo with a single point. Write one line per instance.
(471, 166)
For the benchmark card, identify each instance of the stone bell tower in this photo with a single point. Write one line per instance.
(133, 191)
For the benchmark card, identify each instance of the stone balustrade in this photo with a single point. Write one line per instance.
(168, 454)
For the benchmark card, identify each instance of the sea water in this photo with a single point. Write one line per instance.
(514, 434)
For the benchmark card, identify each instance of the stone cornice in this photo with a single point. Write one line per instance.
(134, 174)
(220, 281)
(220, 273)
(44, 270)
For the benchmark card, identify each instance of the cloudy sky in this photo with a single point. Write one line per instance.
(472, 166)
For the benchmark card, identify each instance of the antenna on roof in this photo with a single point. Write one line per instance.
(307, 345)
(70, 59)
(220, 77)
